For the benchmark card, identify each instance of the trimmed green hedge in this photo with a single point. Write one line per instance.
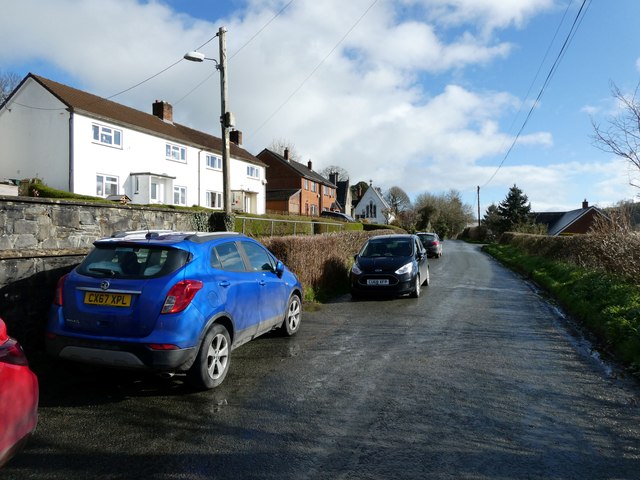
(321, 262)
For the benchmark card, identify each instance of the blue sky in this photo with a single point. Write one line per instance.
(426, 95)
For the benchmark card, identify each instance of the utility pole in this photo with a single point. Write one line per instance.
(225, 122)
(478, 205)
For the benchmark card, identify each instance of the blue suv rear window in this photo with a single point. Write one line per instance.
(130, 261)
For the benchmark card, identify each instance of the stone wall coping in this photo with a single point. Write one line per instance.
(97, 204)
(42, 253)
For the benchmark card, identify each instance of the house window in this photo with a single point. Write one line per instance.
(214, 161)
(314, 187)
(179, 195)
(176, 153)
(371, 211)
(253, 172)
(106, 185)
(306, 184)
(326, 190)
(214, 199)
(314, 209)
(107, 135)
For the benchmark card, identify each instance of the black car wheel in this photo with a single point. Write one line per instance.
(416, 290)
(291, 323)
(427, 279)
(212, 363)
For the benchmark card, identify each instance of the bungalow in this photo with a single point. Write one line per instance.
(569, 223)
(81, 143)
(295, 188)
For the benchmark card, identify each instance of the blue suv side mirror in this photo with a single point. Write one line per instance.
(279, 268)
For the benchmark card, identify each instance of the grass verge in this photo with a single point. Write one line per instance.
(608, 306)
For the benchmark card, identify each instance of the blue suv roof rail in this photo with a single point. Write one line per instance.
(148, 234)
(201, 237)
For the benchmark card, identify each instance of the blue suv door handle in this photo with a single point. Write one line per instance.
(262, 283)
(224, 283)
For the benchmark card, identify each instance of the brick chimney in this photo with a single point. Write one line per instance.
(236, 137)
(309, 165)
(286, 154)
(585, 204)
(163, 110)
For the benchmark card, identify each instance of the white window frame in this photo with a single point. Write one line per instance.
(253, 172)
(181, 193)
(306, 184)
(176, 153)
(314, 209)
(214, 199)
(103, 181)
(108, 136)
(214, 162)
(314, 187)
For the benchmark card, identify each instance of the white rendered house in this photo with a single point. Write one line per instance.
(85, 144)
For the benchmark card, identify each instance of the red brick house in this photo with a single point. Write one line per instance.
(569, 223)
(295, 188)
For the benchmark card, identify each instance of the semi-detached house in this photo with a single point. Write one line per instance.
(85, 144)
(294, 188)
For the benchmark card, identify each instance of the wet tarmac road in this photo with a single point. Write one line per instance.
(478, 378)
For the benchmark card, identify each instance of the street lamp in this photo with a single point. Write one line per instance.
(226, 119)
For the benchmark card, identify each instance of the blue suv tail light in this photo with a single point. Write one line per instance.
(180, 296)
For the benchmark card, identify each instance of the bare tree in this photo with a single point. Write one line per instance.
(8, 81)
(331, 169)
(622, 134)
(398, 200)
(279, 146)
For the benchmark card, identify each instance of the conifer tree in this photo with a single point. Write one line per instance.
(514, 210)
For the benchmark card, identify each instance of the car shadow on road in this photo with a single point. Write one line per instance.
(67, 384)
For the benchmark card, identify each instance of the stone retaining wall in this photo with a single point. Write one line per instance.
(42, 239)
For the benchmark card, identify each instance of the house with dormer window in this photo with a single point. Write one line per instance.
(81, 143)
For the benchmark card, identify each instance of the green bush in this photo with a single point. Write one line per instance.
(369, 227)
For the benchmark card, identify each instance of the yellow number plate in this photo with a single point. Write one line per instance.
(107, 299)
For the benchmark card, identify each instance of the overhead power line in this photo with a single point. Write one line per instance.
(574, 27)
(204, 80)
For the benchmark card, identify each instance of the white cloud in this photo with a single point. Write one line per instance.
(487, 15)
(377, 101)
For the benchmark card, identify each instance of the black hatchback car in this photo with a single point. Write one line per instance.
(390, 264)
(432, 243)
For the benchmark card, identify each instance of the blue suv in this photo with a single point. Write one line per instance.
(172, 302)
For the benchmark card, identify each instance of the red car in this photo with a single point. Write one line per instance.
(18, 397)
